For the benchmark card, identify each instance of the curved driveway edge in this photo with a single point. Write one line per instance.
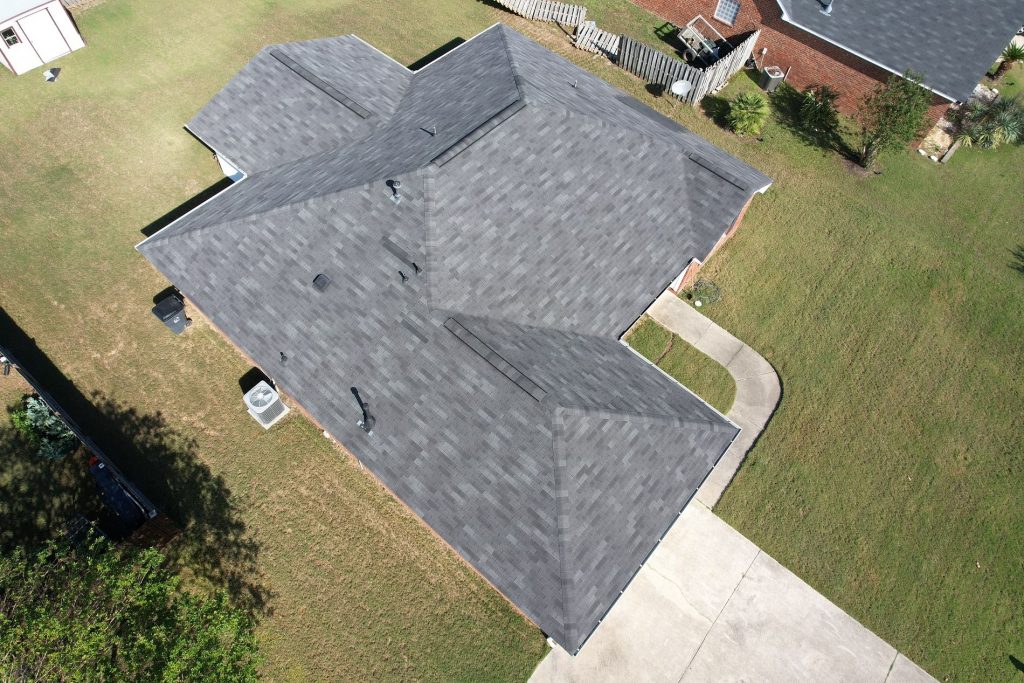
(757, 385)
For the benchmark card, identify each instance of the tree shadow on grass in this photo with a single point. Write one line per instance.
(40, 497)
(164, 464)
(786, 102)
(1018, 259)
(716, 108)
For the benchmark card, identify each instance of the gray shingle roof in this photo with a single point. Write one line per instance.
(537, 221)
(951, 43)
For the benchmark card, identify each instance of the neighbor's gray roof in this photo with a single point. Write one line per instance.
(952, 43)
(537, 221)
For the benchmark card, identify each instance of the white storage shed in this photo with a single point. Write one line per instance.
(34, 32)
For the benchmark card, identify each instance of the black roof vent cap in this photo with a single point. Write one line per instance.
(321, 282)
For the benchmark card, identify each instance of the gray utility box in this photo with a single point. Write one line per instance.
(771, 77)
(171, 312)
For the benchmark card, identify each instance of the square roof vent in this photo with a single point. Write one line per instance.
(321, 282)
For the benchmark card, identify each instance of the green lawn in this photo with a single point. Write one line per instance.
(889, 479)
(698, 372)
(1012, 82)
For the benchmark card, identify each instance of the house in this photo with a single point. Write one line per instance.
(463, 246)
(33, 33)
(853, 45)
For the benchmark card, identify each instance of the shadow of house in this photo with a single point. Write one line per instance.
(180, 210)
(439, 52)
(164, 464)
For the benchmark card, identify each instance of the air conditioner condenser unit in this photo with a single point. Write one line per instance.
(265, 405)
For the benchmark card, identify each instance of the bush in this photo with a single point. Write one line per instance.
(44, 429)
(1013, 54)
(748, 113)
(990, 124)
(892, 116)
(818, 112)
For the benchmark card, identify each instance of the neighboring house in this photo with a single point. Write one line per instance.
(477, 303)
(859, 43)
(33, 33)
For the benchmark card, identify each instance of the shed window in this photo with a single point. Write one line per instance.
(727, 11)
(10, 37)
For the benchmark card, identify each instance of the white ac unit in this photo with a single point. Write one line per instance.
(265, 405)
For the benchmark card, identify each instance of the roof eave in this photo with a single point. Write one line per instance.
(789, 20)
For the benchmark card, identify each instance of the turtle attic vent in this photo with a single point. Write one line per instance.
(321, 282)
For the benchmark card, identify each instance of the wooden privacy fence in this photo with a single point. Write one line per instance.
(635, 57)
(592, 39)
(547, 10)
(657, 67)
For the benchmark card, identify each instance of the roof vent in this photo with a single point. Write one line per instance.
(394, 185)
(826, 7)
(265, 405)
(321, 282)
(368, 421)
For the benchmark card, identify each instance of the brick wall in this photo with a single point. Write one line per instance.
(809, 59)
(689, 274)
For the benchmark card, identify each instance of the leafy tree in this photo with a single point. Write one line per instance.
(44, 429)
(1012, 54)
(98, 613)
(990, 124)
(892, 116)
(748, 113)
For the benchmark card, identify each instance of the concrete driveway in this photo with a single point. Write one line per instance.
(709, 605)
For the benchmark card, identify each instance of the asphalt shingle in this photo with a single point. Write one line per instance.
(534, 226)
(951, 43)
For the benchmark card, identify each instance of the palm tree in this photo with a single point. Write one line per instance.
(992, 124)
(1013, 54)
(748, 113)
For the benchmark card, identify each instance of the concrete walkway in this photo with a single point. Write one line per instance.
(757, 386)
(709, 605)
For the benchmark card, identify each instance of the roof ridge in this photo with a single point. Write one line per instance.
(673, 420)
(561, 521)
(517, 77)
(165, 233)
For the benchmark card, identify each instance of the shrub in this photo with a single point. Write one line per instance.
(748, 113)
(44, 429)
(96, 612)
(1011, 55)
(818, 109)
(892, 116)
(990, 124)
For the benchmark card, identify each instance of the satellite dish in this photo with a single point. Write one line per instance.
(681, 88)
